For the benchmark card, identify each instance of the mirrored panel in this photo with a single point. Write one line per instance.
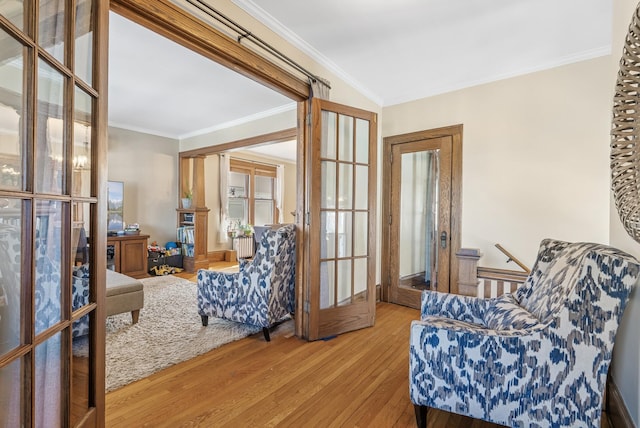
(51, 27)
(418, 219)
(328, 183)
(345, 142)
(84, 40)
(13, 10)
(362, 187)
(80, 272)
(82, 143)
(360, 233)
(362, 141)
(327, 234)
(48, 259)
(50, 130)
(12, 110)
(11, 385)
(345, 231)
(10, 273)
(345, 186)
(360, 279)
(47, 383)
(328, 146)
(327, 284)
(344, 282)
(80, 369)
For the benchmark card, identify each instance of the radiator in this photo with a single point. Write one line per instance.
(244, 246)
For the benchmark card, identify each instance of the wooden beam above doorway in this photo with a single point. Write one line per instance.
(169, 20)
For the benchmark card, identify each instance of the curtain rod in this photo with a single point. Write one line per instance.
(244, 33)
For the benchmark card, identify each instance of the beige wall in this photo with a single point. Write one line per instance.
(148, 166)
(535, 157)
(278, 122)
(212, 197)
(626, 358)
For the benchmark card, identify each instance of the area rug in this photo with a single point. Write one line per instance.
(169, 331)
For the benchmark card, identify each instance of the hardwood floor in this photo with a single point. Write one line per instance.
(358, 379)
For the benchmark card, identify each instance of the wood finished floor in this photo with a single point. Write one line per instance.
(358, 379)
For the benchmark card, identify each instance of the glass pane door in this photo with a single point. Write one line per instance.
(343, 212)
(51, 287)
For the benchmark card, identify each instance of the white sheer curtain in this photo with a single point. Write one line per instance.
(279, 192)
(224, 197)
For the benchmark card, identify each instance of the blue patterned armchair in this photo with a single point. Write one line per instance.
(262, 292)
(535, 358)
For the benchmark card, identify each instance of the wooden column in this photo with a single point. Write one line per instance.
(192, 178)
(198, 182)
(185, 174)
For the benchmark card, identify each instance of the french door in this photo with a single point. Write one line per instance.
(341, 165)
(421, 213)
(52, 235)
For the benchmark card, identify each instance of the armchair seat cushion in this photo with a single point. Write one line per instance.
(505, 313)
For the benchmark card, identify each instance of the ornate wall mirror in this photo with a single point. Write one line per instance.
(625, 133)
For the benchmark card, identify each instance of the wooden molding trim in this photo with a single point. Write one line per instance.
(272, 137)
(169, 20)
(617, 411)
(216, 256)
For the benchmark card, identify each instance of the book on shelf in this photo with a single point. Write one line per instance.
(188, 250)
(186, 234)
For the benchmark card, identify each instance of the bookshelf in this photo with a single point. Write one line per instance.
(192, 232)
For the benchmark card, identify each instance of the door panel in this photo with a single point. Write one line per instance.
(341, 288)
(420, 212)
(52, 216)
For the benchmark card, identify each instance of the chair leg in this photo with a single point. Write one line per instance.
(421, 415)
(135, 315)
(205, 320)
(265, 331)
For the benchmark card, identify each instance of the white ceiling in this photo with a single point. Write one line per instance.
(391, 52)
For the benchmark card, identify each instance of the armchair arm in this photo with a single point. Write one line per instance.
(454, 306)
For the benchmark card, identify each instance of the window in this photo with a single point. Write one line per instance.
(252, 192)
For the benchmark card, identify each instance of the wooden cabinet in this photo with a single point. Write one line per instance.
(128, 254)
(192, 234)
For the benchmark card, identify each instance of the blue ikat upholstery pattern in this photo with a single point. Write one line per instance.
(537, 358)
(80, 298)
(262, 292)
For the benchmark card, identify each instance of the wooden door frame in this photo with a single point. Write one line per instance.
(455, 132)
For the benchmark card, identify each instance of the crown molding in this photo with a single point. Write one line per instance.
(277, 27)
(241, 121)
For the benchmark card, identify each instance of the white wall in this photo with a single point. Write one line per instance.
(535, 157)
(626, 357)
(148, 166)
